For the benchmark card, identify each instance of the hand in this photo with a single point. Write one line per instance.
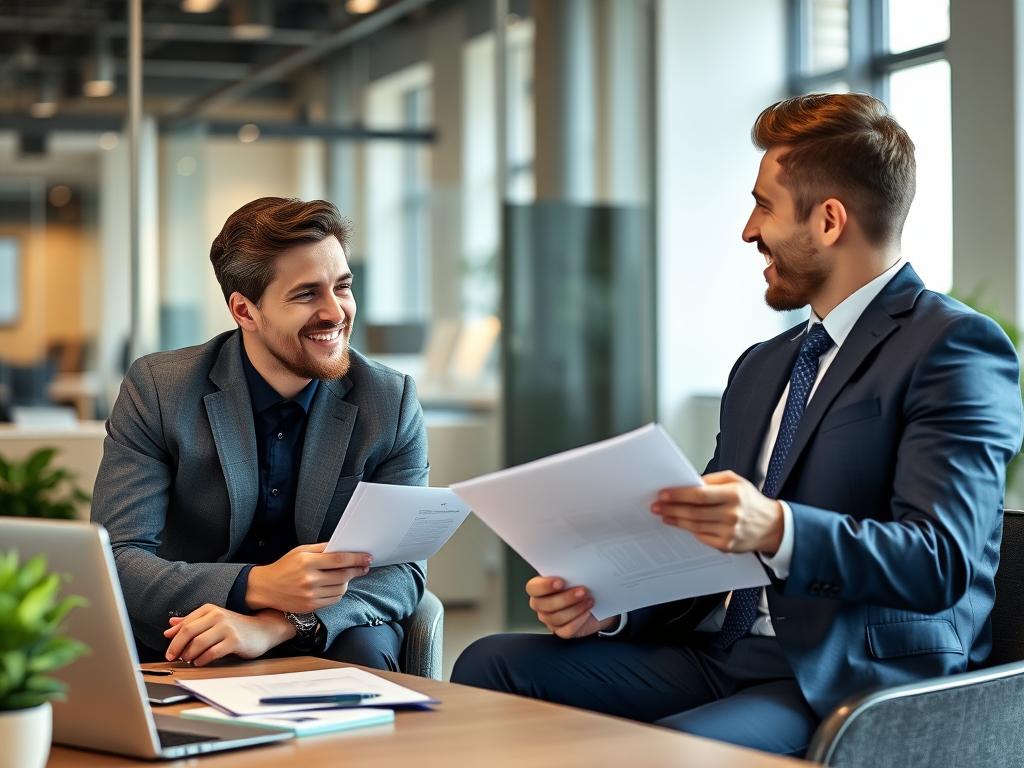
(211, 632)
(305, 579)
(727, 513)
(566, 612)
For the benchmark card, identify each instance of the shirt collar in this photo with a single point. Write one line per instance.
(840, 321)
(264, 396)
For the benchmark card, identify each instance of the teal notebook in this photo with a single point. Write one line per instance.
(302, 723)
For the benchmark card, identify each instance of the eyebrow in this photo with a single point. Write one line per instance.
(314, 285)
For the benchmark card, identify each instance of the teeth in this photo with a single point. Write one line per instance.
(324, 336)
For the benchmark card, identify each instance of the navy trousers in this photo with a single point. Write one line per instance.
(745, 695)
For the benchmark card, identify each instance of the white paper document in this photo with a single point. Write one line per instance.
(397, 523)
(304, 723)
(241, 696)
(585, 515)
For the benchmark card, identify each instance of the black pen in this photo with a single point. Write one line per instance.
(157, 671)
(329, 698)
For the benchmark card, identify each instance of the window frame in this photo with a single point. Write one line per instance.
(870, 62)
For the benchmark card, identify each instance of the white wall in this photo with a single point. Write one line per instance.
(719, 65)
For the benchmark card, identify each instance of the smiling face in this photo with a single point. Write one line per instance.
(797, 270)
(301, 326)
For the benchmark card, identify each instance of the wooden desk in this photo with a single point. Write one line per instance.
(470, 727)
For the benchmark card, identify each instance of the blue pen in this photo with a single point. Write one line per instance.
(329, 698)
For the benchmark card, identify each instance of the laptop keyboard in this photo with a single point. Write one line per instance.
(179, 739)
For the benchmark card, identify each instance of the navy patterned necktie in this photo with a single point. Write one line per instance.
(742, 611)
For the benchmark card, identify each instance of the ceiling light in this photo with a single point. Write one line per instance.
(248, 133)
(109, 140)
(45, 104)
(99, 69)
(251, 19)
(60, 195)
(199, 6)
(361, 6)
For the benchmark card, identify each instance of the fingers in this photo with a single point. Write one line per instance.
(328, 561)
(723, 493)
(214, 652)
(570, 630)
(197, 622)
(539, 586)
(559, 600)
(561, 621)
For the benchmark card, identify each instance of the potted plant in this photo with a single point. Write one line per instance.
(31, 488)
(31, 647)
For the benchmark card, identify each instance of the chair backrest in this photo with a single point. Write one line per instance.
(1007, 613)
(423, 644)
(968, 719)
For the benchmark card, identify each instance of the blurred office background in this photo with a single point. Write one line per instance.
(547, 198)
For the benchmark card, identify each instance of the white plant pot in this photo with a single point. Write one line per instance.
(25, 735)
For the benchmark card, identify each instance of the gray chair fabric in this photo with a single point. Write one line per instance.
(973, 718)
(423, 644)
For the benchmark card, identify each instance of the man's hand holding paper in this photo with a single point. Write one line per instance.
(584, 517)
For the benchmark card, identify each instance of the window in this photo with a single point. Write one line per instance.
(895, 50)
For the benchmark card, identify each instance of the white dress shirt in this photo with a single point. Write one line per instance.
(838, 323)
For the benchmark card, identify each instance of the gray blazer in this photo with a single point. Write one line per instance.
(177, 486)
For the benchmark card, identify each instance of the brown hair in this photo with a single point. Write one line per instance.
(253, 236)
(845, 146)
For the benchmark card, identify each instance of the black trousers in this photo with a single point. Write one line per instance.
(746, 695)
(377, 647)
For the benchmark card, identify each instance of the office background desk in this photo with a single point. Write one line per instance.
(469, 727)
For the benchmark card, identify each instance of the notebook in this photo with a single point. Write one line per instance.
(305, 723)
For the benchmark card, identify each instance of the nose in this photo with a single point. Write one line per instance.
(331, 311)
(751, 232)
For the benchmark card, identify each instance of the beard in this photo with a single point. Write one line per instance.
(799, 273)
(290, 353)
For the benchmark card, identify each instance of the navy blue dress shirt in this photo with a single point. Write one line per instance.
(280, 435)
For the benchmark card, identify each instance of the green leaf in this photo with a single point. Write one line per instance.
(15, 666)
(38, 601)
(55, 653)
(38, 461)
(27, 699)
(45, 684)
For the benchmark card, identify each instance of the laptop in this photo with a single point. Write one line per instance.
(106, 707)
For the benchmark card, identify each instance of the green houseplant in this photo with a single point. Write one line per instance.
(31, 648)
(32, 488)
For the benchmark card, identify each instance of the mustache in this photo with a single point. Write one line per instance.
(762, 248)
(324, 327)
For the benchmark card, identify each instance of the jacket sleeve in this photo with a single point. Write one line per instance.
(392, 592)
(961, 426)
(130, 500)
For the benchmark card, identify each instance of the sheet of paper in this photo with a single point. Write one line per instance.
(301, 723)
(241, 695)
(585, 515)
(397, 523)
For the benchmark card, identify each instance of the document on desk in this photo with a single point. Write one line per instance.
(240, 696)
(585, 515)
(397, 523)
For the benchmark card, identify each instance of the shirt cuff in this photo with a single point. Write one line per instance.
(623, 618)
(236, 597)
(780, 561)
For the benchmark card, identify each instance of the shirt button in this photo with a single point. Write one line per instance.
(274, 492)
(261, 542)
(280, 435)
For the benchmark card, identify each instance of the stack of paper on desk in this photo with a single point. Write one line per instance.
(585, 515)
(397, 523)
(301, 723)
(240, 696)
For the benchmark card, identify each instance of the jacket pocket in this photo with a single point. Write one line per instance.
(865, 409)
(911, 638)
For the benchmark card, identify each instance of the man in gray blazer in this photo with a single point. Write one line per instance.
(226, 466)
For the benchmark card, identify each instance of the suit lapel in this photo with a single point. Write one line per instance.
(760, 400)
(328, 431)
(230, 414)
(873, 327)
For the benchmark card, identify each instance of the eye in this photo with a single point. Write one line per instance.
(305, 295)
(343, 288)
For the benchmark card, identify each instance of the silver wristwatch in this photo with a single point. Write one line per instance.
(305, 624)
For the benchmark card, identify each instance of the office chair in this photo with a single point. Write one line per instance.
(421, 649)
(972, 718)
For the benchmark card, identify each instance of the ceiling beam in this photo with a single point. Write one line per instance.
(157, 30)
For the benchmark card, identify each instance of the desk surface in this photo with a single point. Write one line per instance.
(469, 727)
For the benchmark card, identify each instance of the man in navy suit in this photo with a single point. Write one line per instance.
(862, 454)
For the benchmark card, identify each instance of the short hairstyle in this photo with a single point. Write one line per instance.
(253, 236)
(845, 146)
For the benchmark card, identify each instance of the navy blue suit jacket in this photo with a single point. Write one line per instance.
(895, 479)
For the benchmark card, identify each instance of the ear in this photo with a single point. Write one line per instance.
(243, 311)
(833, 219)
